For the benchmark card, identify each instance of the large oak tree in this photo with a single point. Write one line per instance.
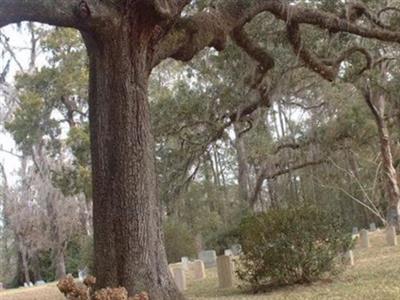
(125, 40)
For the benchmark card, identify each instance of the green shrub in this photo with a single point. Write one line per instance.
(179, 241)
(290, 246)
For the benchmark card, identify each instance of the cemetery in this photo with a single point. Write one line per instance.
(370, 274)
(199, 149)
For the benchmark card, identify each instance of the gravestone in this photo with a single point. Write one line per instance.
(209, 258)
(171, 271)
(364, 239)
(26, 284)
(197, 269)
(176, 265)
(348, 258)
(40, 282)
(225, 271)
(82, 274)
(30, 284)
(228, 252)
(1, 286)
(355, 231)
(391, 236)
(372, 227)
(185, 263)
(180, 278)
(236, 249)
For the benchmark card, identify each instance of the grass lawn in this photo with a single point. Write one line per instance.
(376, 276)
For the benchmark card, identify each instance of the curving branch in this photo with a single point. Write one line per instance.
(241, 38)
(78, 14)
(327, 68)
(311, 60)
(266, 174)
(211, 28)
(349, 52)
(384, 10)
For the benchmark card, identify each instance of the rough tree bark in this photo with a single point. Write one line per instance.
(25, 260)
(376, 103)
(125, 40)
(128, 239)
(243, 166)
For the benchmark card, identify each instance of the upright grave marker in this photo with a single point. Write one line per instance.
(364, 239)
(391, 236)
(179, 277)
(185, 263)
(348, 258)
(209, 258)
(197, 269)
(225, 271)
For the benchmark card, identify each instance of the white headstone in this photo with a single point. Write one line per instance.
(209, 258)
(197, 269)
(349, 258)
(26, 284)
(185, 263)
(180, 278)
(40, 282)
(372, 227)
(355, 230)
(225, 271)
(228, 252)
(30, 284)
(171, 271)
(82, 274)
(364, 239)
(1, 286)
(391, 236)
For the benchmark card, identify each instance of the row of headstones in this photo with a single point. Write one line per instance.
(37, 283)
(372, 228)
(391, 237)
(209, 257)
(197, 268)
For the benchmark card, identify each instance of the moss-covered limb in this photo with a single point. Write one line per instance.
(73, 13)
(265, 60)
(210, 27)
(311, 60)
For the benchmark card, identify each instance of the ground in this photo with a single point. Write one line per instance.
(376, 275)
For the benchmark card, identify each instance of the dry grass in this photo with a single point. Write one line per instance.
(46, 292)
(376, 276)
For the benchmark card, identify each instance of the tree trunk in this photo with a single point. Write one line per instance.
(391, 176)
(58, 245)
(377, 106)
(59, 261)
(128, 238)
(243, 167)
(35, 262)
(25, 263)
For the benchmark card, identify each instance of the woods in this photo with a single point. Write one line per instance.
(196, 113)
